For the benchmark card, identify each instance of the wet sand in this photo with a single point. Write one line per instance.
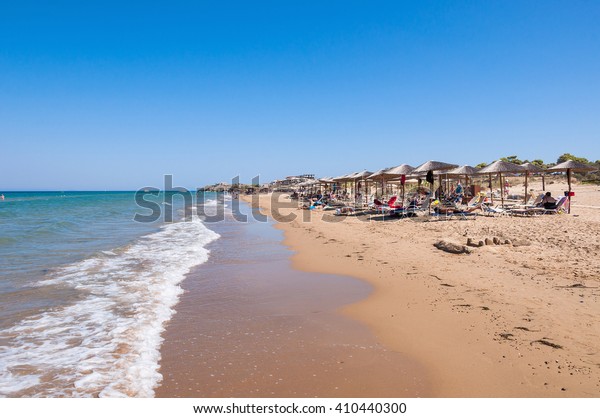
(249, 325)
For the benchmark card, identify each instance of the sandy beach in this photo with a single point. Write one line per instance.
(511, 320)
(250, 325)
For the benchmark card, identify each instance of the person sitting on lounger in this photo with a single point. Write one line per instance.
(457, 195)
(548, 202)
(346, 210)
(314, 204)
(459, 189)
(454, 209)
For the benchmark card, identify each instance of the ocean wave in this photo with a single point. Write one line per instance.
(211, 202)
(108, 343)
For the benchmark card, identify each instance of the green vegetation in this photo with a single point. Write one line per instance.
(539, 163)
(593, 178)
(566, 157)
(590, 178)
(512, 159)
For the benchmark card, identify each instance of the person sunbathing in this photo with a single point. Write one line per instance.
(314, 204)
(454, 209)
(548, 202)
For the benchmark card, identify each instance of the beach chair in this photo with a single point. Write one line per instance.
(561, 207)
(411, 210)
(453, 211)
(381, 207)
(422, 209)
(529, 209)
(353, 208)
(392, 203)
(345, 211)
(494, 210)
(525, 211)
(532, 202)
(474, 200)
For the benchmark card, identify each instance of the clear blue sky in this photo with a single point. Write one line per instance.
(113, 96)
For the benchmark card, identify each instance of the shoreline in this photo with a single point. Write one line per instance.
(482, 324)
(249, 325)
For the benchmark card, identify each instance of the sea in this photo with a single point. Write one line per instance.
(88, 281)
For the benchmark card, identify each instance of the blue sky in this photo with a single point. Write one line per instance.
(101, 95)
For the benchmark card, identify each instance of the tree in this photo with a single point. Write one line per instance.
(481, 165)
(539, 163)
(512, 159)
(566, 157)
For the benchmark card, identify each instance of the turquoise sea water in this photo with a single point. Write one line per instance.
(85, 290)
(41, 230)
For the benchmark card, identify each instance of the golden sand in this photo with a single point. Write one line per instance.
(502, 321)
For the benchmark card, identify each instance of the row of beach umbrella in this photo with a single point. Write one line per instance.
(499, 167)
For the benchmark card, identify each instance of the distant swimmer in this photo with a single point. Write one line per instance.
(1, 197)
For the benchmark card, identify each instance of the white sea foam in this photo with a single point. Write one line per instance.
(108, 342)
(214, 203)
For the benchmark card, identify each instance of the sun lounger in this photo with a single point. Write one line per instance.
(561, 207)
(454, 212)
(537, 210)
(494, 210)
(345, 210)
(525, 212)
(532, 203)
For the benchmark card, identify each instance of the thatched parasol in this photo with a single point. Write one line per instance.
(398, 172)
(433, 166)
(570, 167)
(499, 167)
(346, 178)
(402, 169)
(379, 175)
(358, 177)
(532, 169)
(327, 180)
(465, 171)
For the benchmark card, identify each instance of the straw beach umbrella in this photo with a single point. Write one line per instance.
(345, 179)
(326, 181)
(433, 166)
(379, 175)
(464, 170)
(571, 167)
(530, 169)
(499, 167)
(399, 171)
(358, 177)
